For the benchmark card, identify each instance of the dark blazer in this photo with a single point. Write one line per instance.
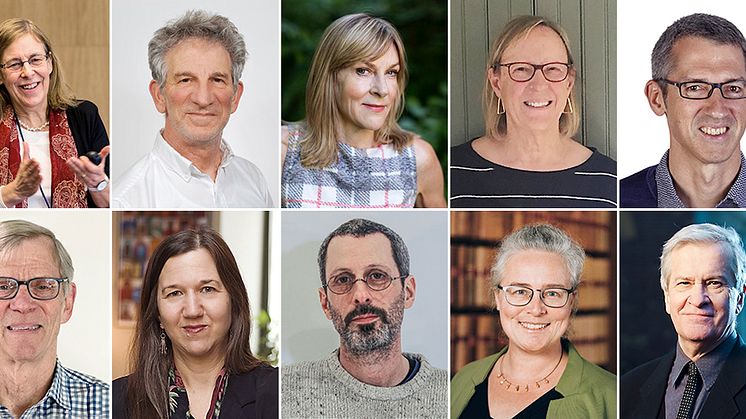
(250, 395)
(643, 389)
(89, 132)
(639, 190)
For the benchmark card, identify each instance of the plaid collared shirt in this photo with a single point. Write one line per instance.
(668, 198)
(71, 395)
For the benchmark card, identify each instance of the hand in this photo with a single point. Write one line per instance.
(27, 180)
(87, 172)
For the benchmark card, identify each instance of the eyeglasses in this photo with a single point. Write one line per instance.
(34, 61)
(38, 288)
(375, 280)
(699, 90)
(521, 72)
(519, 296)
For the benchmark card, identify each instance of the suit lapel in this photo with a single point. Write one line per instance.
(721, 402)
(653, 390)
(241, 391)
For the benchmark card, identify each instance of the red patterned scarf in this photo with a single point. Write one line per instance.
(67, 191)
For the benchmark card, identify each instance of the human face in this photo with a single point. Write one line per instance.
(198, 96)
(705, 131)
(368, 91)
(701, 298)
(30, 327)
(367, 321)
(535, 327)
(28, 88)
(194, 306)
(536, 104)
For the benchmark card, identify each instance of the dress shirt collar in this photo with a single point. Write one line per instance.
(59, 391)
(180, 164)
(668, 198)
(709, 365)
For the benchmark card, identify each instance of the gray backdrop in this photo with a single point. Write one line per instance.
(306, 332)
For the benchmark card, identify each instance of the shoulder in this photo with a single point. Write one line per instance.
(119, 396)
(462, 152)
(638, 375)
(424, 153)
(639, 189)
(305, 369)
(474, 372)
(263, 374)
(601, 162)
(83, 112)
(136, 182)
(597, 378)
(79, 380)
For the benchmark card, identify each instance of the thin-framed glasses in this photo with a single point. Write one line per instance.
(700, 90)
(38, 288)
(519, 296)
(34, 61)
(375, 280)
(522, 72)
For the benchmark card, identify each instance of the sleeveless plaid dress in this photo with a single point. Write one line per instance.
(378, 177)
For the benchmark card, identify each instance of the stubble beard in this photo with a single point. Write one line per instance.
(372, 339)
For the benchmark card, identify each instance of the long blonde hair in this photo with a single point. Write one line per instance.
(347, 40)
(497, 124)
(59, 96)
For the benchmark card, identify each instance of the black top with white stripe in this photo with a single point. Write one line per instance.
(480, 183)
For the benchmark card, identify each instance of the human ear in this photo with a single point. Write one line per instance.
(655, 97)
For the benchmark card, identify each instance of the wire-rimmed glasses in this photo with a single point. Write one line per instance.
(376, 280)
(519, 296)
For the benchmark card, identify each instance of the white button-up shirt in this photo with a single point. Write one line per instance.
(166, 179)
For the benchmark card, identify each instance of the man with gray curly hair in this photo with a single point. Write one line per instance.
(196, 62)
(703, 268)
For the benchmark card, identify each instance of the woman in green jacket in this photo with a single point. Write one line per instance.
(539, 374)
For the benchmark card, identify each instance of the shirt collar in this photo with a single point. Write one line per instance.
(668, 198)
(180, 164)
(709, 365)
(59, 391)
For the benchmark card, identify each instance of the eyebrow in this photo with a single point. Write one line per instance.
(201, 282)
(527, 285)
(370, 64)
(367, 268)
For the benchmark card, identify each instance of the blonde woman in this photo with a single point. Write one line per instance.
(527, 157)
(349, 151)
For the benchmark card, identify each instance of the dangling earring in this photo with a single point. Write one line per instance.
(568, 105)
(164, 348)
(500, 105)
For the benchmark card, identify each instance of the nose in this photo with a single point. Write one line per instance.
(361, 292)
(26, 69)
(378, 85)
(698, 295)
(536, 306)
(193, 306)
(22, 302)
(202, 95)
(716, 104)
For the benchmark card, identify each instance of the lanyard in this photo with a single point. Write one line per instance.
(23, 140)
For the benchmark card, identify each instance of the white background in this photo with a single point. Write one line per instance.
(306, 332)
(253, 131)
(643, 137)
(85, 340)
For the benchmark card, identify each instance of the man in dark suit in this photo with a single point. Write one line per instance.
(703, 275)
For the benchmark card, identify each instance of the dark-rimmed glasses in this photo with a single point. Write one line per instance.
(34, 61)
(519, 296)
(375, 280)
(700, 90)
(522, 72)
(38, 288)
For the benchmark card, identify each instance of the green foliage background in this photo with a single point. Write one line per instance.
(423, 27)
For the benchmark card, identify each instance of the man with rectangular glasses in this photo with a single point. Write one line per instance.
(703, 277)
(36, 296)
(699, 83)
(365, 288)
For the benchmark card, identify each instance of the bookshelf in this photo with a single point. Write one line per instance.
(475, 326)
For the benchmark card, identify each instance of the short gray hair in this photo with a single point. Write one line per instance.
(726, 237)
(13, 232)
(202, 25)
(543, 237)
(700, 25)
(360, 227)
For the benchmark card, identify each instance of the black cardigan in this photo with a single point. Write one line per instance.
(88, 131)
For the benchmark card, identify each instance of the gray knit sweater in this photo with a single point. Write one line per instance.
(315, 389)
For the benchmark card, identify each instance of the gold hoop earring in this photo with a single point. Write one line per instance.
(568, 105)
(500, 105)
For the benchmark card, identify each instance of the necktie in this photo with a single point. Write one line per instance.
(690, 392)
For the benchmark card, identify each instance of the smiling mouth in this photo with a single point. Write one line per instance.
(30, 86)
(534, 326)
(374, 108)
(538, 104)
(195, 329)
(714, 131)
(29, 328)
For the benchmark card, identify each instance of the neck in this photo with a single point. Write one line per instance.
(702, 185)
(385, 368)
(199, 372)
(526, 368)
(23, 384)
(696, 350)
(534, 150)
(359, 138)
(206, 156)
(32, 118)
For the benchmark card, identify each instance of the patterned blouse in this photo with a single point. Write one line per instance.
(178, 402)
(378, 177)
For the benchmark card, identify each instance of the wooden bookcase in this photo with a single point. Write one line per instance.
(475, 326)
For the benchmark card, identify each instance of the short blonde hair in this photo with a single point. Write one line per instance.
(347, 40)
(496, 124)
(59, 96)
